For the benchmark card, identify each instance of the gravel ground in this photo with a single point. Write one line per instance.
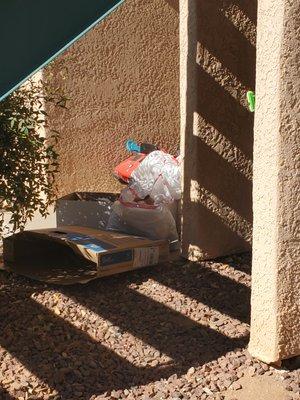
(176, 331)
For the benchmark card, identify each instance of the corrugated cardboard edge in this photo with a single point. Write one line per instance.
(175, 256)
(71, 281)
(28, 272)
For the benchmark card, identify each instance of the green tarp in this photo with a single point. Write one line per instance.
(33, 32)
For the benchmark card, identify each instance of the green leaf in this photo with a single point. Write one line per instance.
(28, 162)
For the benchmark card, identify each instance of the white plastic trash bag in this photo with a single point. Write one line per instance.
(153, 222)
(158, 176)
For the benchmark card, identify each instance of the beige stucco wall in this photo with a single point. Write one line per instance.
(217, 47)
(123, 82)
(275, 320)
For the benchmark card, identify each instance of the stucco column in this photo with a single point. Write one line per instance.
(217, 67)
(275, 319)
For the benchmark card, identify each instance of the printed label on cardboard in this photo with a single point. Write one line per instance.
(96, 245)
(108, 260)
(145, 256)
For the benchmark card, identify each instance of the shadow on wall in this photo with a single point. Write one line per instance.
(174, 4)
(4, 395)
(217, 200)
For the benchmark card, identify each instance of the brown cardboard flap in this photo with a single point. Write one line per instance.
(77, 254)
(46, 260)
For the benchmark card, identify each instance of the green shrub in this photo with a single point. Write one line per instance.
(28, 161)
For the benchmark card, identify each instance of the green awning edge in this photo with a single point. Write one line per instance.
(61, 50)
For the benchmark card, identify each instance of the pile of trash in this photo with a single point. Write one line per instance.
(102, 234)
(145, 205)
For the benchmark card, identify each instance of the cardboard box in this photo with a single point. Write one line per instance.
(89, 209)
(92, 209)
(73, 254)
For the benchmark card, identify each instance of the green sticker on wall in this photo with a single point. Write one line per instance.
(251, 100)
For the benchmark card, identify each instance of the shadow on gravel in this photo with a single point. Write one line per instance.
(213, 289)
(244, 264)
(4, 395)
(70, 361)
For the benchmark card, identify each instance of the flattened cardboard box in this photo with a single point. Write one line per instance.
(72, 254)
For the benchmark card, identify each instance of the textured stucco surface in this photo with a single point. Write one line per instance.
(275, 321)
(217, 47)
(123, 81)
